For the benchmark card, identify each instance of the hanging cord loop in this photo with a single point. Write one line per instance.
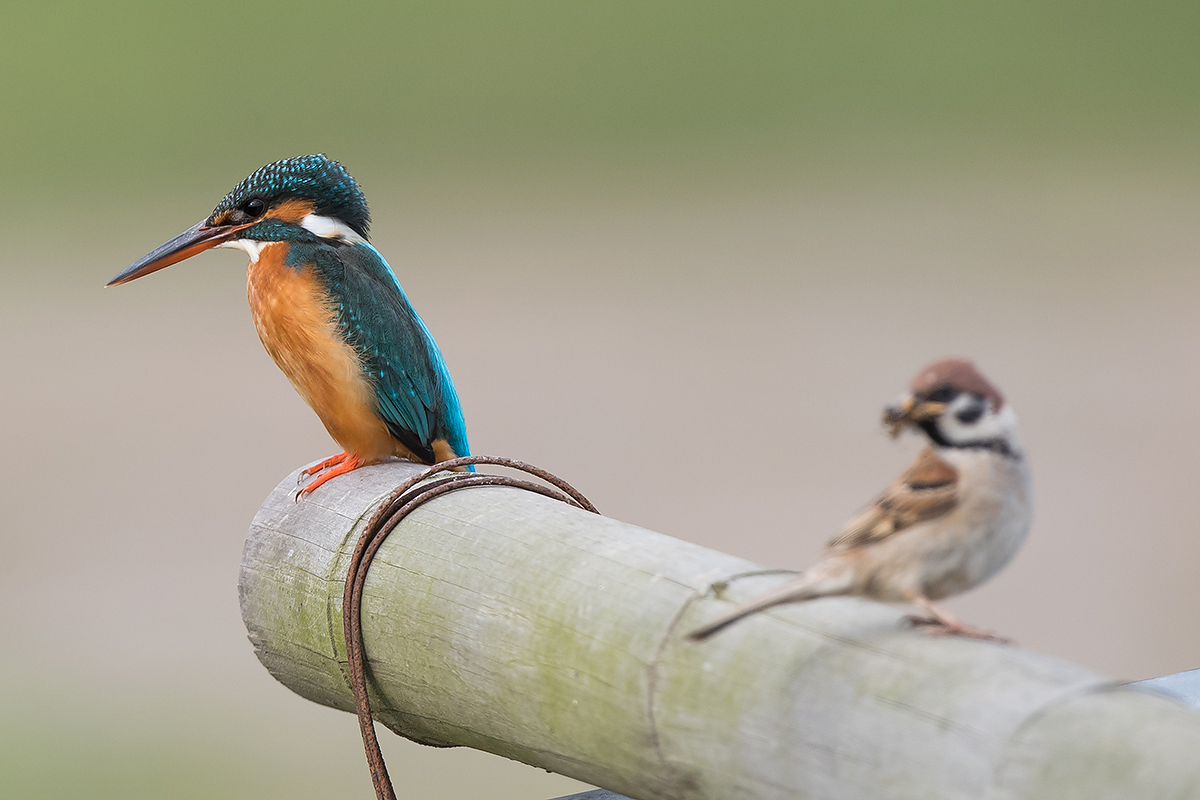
(403, 500)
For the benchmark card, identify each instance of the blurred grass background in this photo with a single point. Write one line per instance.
(124, 99)
(654, 240)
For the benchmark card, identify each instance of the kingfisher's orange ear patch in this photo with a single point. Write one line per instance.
(292, 211)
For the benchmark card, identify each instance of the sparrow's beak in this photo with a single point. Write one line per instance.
(910, 411)
(195, 239)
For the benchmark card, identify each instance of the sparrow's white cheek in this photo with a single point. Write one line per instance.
(990, 425)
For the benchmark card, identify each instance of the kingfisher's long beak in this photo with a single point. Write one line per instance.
(909, 411)
(195, 239)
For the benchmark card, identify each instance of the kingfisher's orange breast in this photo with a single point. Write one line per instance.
(298, 326)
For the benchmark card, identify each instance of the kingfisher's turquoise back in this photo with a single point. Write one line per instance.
(415, 394)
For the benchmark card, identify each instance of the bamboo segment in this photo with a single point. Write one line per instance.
(509, 622)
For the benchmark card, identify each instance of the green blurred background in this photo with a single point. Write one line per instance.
(655, 240)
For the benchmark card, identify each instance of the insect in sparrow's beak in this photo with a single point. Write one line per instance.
(910, 411)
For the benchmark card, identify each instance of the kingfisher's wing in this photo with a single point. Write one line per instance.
(926, 490)
(416, 398)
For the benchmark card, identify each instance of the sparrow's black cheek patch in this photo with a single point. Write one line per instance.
(971, 413)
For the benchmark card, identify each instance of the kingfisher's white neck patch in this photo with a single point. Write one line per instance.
(252, 247)
(330, 228)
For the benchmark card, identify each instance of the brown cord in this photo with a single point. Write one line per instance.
(399, 504)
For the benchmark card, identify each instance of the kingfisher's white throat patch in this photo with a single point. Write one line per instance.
(330, 228)
(252, 247)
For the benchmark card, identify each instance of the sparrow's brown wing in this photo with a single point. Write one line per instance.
(927, 489)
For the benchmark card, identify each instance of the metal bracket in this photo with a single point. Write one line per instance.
(1183, 686)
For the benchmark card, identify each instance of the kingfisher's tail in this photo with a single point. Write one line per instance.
(822, 580)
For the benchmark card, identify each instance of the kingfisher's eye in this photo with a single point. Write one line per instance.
(254, 208)
(942, 394)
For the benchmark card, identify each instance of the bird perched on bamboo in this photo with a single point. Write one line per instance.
(331, 313)
(952, 519)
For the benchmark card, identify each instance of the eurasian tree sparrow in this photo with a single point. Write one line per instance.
(952, 520)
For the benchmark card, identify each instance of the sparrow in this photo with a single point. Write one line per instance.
(954, 518)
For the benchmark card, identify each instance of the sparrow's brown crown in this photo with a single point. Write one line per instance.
(958, 374)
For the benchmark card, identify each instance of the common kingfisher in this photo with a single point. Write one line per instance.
(331, 313)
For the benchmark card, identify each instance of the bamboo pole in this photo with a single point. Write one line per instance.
(501, 620)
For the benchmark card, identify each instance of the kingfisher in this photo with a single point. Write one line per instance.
(331, 313)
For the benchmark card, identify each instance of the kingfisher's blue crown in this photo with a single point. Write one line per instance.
(316, 178)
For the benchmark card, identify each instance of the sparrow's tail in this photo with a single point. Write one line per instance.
(820, 581)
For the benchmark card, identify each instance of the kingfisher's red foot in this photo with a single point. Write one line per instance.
(333, 466)
(332, 461)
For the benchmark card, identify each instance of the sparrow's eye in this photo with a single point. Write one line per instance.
(942, 394)
(971, 413)
(254, 208)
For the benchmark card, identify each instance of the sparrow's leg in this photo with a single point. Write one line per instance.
(946, 624)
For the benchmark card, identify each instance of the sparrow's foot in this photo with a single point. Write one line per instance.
(935, 627)
(941, 622)
(333, 466)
